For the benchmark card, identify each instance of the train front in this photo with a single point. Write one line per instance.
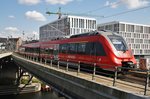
(121, 53)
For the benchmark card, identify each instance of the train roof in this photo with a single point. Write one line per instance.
(72, 38)
(85, 34)
(92, 33)
(32, 45)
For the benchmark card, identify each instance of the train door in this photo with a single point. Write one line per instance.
(100, 54)
(90, 52)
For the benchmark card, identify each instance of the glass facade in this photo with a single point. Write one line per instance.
(66, 26)
(136, 35)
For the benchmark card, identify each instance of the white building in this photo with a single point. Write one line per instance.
(136, 35)
(67, 26)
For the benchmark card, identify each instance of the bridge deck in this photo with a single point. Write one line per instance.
(124, 86)
(2, 55)
(121, 85)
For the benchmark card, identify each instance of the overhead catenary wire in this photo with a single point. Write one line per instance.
(99, 16)
(103, 7)
(59, 13)
(85, 13)
(128, 11)
(116, 14)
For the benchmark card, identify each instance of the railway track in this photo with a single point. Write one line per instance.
(129, 82)
(135, 77)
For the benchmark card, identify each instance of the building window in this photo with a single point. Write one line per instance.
(77, 23)
(116, 27)
(101, 28)
(82, 23)
(122, 27)
(146, 29)
(132, 40)
(72, 22)
(141, 51)
(129, 28)
(139, 29)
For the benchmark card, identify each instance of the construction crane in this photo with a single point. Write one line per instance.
(59, 13)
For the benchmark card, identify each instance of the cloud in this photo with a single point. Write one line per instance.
(133, 4)
(2, 34)
(29, 2)
(11, 29)
(79, 0)
(35, 33)
(34, 15)
(130, 4)
(11, 17)
(63, 2)
(112, 4)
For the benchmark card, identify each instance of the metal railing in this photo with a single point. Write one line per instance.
(3, 51)
(144, 73)
(94, 72)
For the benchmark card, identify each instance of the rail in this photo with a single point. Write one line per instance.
(142, 74)
(94, 72)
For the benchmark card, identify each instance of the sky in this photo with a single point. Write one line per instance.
(22, 18)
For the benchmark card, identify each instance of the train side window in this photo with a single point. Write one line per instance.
(89, 48)
(63, 48)
(60, 48)
(72, 48)
(33, 50)
(99, 49)
(50, 50)
(26, 49)
(30, 50)
(42, 50)
(46, 51)
(81, 48)
(37, 50)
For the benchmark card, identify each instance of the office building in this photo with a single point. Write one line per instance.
(136, 35)
(67, 26)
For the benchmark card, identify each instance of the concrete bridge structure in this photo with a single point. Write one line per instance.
(81, 85)
(8, 74)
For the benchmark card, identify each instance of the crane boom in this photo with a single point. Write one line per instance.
(59, 13)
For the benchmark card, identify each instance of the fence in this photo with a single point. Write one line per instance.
(94, 71)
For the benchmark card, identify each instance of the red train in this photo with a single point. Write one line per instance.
(104, 48)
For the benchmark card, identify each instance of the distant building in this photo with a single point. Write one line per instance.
(2, 43)
(137, 36)
(31, 41)
(67, 26)
(10, 44)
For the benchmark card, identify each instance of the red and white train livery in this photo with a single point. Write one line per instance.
(104, 48)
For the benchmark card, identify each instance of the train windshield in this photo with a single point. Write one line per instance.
(118, 42)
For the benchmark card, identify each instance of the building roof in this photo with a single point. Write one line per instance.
(70, 16)
(121, 22)
(3, 40)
